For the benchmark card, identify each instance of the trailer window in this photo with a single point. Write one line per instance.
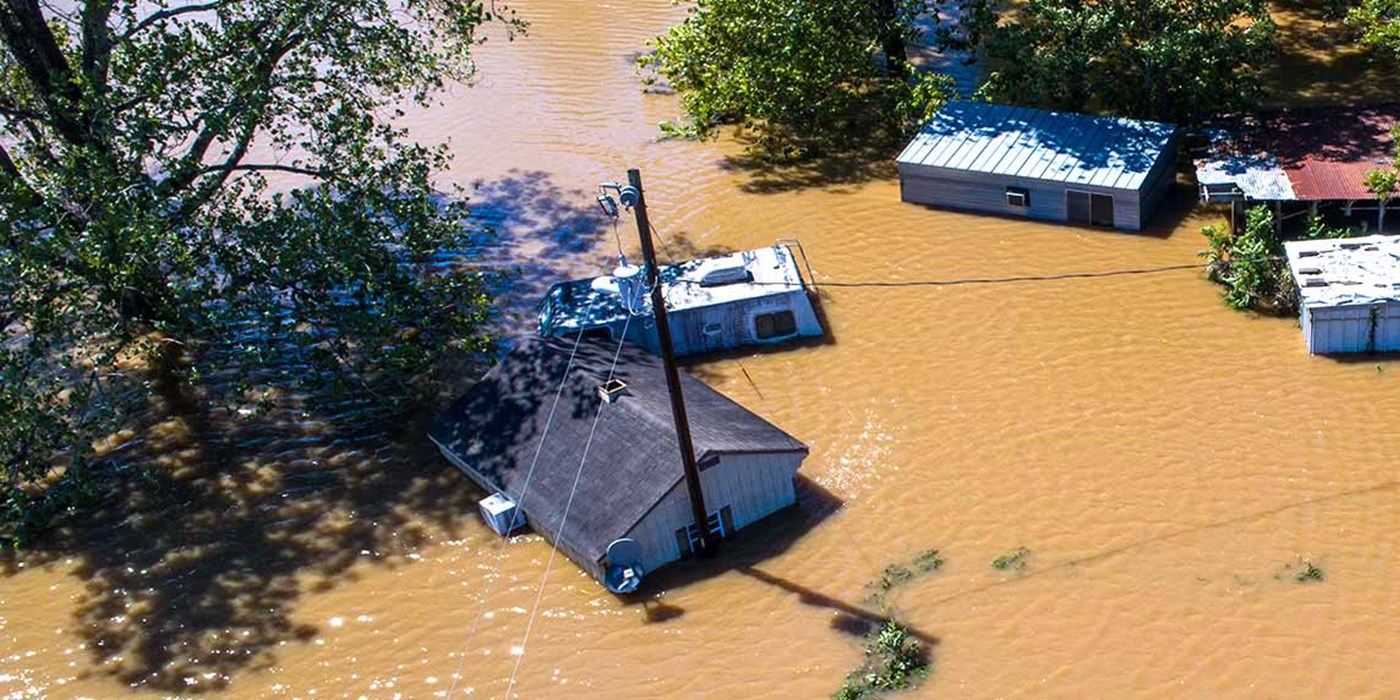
(774, 325)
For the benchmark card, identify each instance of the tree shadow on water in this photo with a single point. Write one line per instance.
(541, 233)
(836, 168)
(213, 527)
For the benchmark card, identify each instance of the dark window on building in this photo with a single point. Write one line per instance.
(774, 325)
(1018, 196)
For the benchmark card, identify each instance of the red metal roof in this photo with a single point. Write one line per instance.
(1325, 151)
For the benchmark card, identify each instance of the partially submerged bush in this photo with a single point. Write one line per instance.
(894, 660)
(1250, 263)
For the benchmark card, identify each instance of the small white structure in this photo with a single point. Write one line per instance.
(752, 297)
(501, 514)
(1349, 293)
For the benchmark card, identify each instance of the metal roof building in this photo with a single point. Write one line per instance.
(1055, 166)
(1312, 154)
(631, 483)
(1349, 293)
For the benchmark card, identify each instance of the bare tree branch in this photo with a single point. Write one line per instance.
(261, 167)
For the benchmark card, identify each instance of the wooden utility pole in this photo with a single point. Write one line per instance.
(705, 546)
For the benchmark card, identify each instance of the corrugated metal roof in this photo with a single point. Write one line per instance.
(1040, 145)
(1346, 271)
(1322, 153)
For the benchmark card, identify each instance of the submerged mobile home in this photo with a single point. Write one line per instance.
(1349, 293)
(1037, 164)
(610, 458)
(752, 297)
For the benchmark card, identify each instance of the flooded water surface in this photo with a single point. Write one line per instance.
(1169, 465)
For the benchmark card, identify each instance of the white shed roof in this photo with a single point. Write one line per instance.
(1345, 271)
(1040, 145)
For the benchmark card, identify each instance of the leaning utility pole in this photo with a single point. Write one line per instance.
(705, 546)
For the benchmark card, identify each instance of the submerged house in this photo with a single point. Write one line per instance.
(1296, 160)
(627, 464)
(1349, 293)
(1038, 164)
(752, 297)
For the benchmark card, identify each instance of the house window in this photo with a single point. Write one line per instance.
(774, 325)
(720, 522)
(1018, 197)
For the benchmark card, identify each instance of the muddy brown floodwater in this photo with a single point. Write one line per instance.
(1166, 461)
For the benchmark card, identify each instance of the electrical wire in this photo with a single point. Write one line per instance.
(515, 515)
(564, 519)
(967, 281)
(670, 257)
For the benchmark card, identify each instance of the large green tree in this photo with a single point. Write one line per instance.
(1167, 60)
(1378, 21)
(138, 223)
(801, 76)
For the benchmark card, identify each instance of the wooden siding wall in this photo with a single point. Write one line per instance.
(735, 319)
(959, 189)
(752, 485)
(1347, 329)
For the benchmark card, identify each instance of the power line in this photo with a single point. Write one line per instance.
(515, 515)
(968, 281)
(564, 520)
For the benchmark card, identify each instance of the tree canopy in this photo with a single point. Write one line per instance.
(1165, 60)
(137, 140)
(1379, 24)
(800, 75)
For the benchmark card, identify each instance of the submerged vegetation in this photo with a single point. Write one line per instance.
(894, 660)
(900, 573)
(1016, 559)
(1249, 263)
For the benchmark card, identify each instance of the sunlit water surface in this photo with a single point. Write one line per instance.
(1166, 461)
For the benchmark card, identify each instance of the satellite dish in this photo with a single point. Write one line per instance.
(624, 552)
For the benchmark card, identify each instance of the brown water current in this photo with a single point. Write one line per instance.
(1167, 462)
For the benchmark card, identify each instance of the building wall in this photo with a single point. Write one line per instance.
(1158, 183)
(1348, 329)
(733, 321)
(751, 485)
(972, 191)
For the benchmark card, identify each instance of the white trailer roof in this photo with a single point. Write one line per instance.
(1037, 144)
(1345, 271)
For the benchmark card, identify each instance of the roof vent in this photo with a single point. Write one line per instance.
(1314, 282)
(1309, 253)
(1309, 271)
(612, 390)
(719, 276)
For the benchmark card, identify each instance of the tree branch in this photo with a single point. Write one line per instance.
(213, 124)
(157, 17)
(32, 45)
(259, 167)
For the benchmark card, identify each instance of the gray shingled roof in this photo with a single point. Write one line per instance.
(634, 461)
(1040, 145)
